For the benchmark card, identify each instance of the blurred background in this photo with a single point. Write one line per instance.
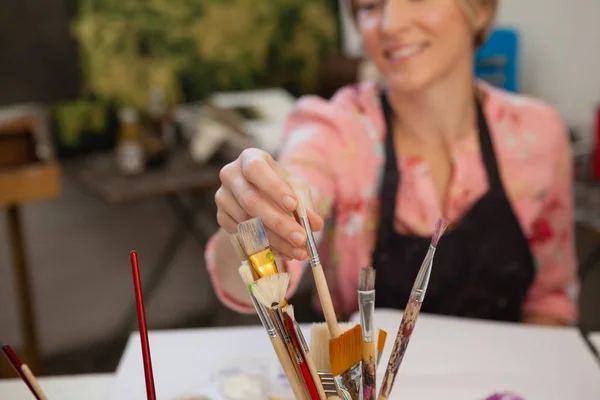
(116, 116)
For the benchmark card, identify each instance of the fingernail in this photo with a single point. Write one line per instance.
(289, 203)
(299, 254)
(298, 238)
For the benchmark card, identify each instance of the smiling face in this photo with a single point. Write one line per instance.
(415, 43)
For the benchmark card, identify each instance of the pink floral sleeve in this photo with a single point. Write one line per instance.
(555, 288)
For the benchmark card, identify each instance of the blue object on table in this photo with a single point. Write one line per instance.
(497, 60)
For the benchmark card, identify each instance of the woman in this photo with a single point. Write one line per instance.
(383, 163)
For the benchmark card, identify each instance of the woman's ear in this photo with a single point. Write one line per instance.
(485, 13)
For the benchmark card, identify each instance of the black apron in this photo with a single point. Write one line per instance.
(483, 266)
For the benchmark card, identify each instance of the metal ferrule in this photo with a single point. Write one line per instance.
(354, 375)
(313, 255)
(366, 306)
(305, 348)
(264, 318)
(422, 281)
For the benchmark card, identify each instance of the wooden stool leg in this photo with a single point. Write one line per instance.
(23, 284)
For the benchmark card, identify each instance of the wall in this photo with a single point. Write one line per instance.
(560, 59)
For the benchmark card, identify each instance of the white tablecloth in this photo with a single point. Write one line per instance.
(79, 387)
(448, 359)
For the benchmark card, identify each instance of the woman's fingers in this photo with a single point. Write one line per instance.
(282, 246)
(227, 202)
(316, 222)
(259, 168)
(255, 203)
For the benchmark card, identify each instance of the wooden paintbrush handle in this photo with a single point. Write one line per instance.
(33, 382)
(326, 303)
(288, 367)
(407, 325)
(369, 370)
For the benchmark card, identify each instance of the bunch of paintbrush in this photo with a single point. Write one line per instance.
(267, 288)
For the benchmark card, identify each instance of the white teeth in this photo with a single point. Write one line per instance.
(405, 52)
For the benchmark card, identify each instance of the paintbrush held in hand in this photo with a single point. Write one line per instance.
(345, 357)
(317, 269)
(366, 306)
(411, 312)
(252, 237)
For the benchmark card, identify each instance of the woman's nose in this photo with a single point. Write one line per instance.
(396, 17)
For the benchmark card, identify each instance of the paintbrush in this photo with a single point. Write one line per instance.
(306, 374)
(270, 292)
(306, 354)
(381, 338)
(252, 236)
(317, 269)
(276, 339)
(411, 313)
(366, 306)
(24, 373)
(141, 314)
(345, 358)
(319, 348)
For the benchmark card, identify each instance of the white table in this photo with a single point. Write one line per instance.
(78, 387)
(449, 359)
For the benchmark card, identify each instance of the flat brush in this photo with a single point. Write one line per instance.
(345, 357)
(411, 313)
(317, 269)
(381, 338)
(276, 285)
(366, 306)
(319, 348)
(252, 237)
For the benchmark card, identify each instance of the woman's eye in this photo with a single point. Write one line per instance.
(366, 5)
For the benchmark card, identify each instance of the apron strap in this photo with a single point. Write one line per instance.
(389, 183)
(487, 149)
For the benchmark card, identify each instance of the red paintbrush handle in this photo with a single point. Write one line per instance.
(310, 384)
(16, 363)
(141, 313)
(312, 389)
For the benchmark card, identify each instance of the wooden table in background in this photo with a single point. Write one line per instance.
(187, 188)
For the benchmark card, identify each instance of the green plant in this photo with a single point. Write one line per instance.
(191, 48)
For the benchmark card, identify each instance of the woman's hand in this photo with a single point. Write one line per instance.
(255, 185)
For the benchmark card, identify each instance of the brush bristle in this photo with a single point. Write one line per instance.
(319, 344)
(440, 227)
(271, 289)
(366, 279)
(252, 236)
(345, 351)
(334, 398)
(235, 242)
(290, 310)
(381, 340)
(301, 207)
(246, 274)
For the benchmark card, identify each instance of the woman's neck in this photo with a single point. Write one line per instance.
(438, 115)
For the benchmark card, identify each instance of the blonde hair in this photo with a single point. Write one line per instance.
(472, 9)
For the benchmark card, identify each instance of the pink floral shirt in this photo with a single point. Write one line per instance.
(338, 146)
